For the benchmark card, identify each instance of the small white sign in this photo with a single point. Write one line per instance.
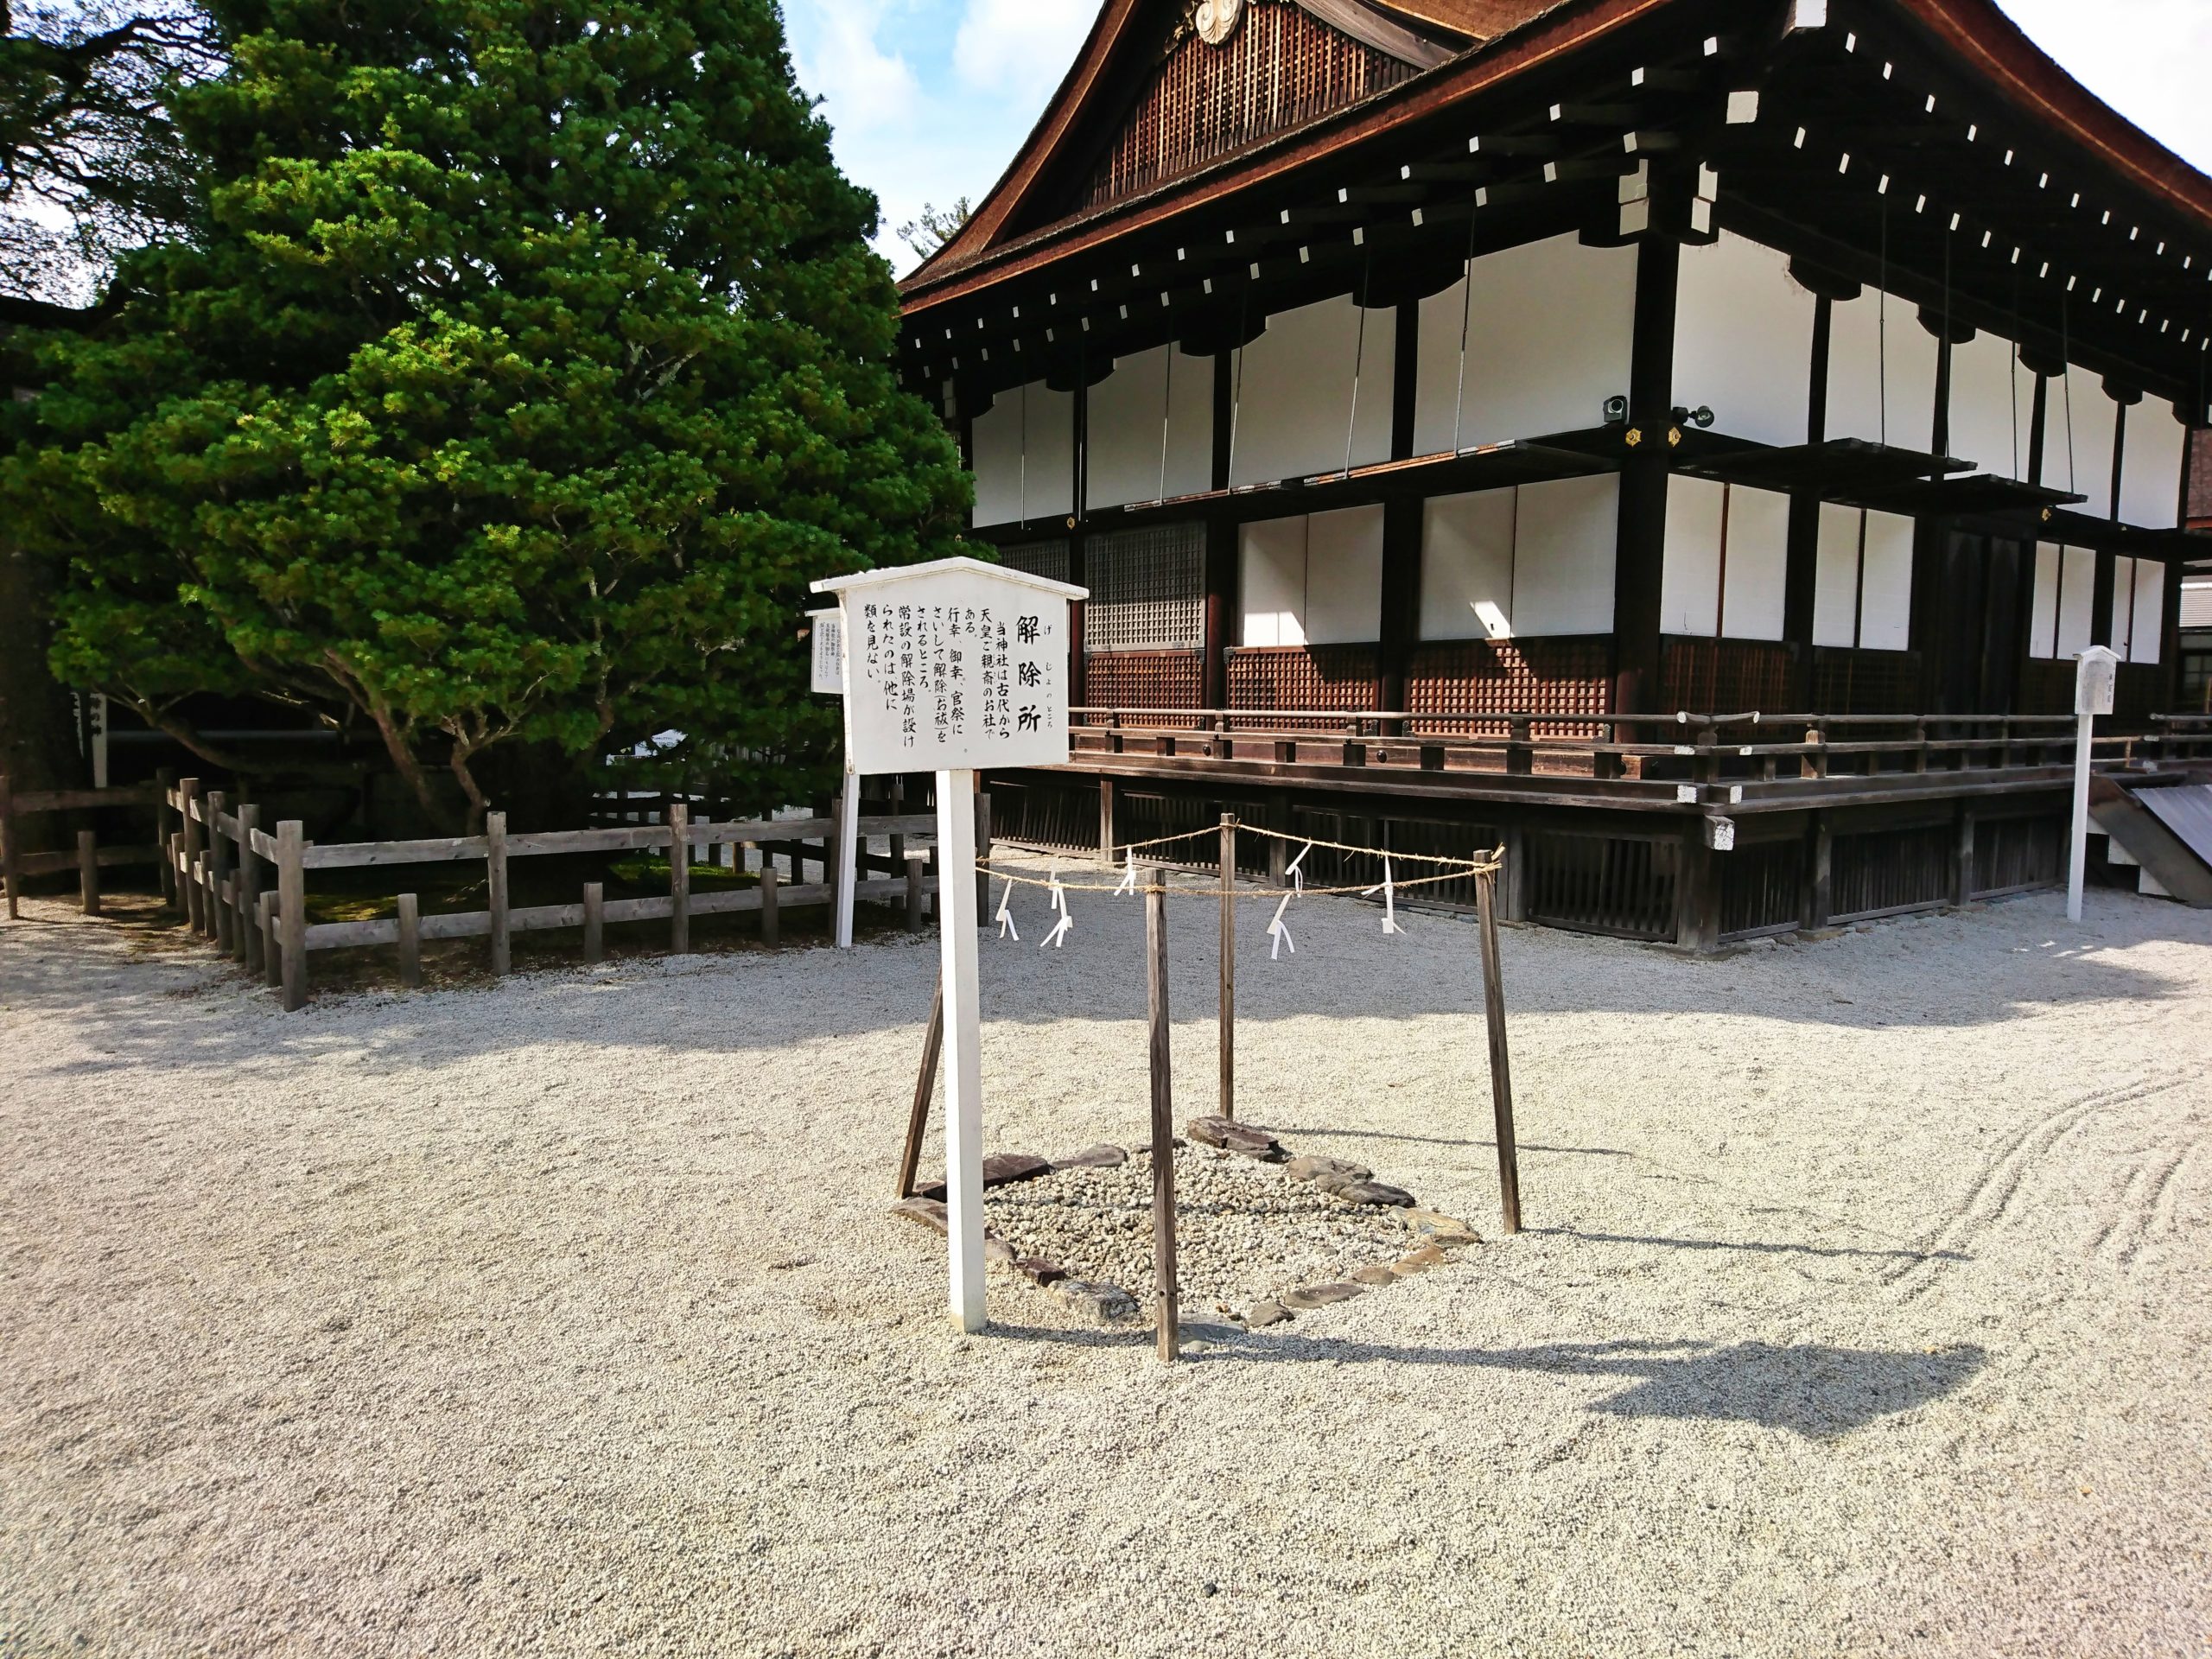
(826, 638)
(2093, 681)
(954, 665)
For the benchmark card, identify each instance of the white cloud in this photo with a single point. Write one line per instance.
(2148, 59)
(1021, 48)
(838, 57)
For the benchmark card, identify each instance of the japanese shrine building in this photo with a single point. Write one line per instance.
(1466, 414)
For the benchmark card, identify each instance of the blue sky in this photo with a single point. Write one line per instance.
(931, 99)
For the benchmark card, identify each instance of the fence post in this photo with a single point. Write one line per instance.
(249, 951)
(164, 857)
(1166, 1323)
(292, 911)
(1228, 1013)
(679, 878)
(982, 851)
(594, 921)
(88, 872)
(272, 952)
(1501, 1078)
(218, 860)
(1962, 863)
(495, 865)
(187, 797)
(916, 862)
(1106, 822)
(7, 846)
(410, 940)
(770, 927)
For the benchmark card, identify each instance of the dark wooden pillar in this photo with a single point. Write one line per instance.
(2101, 600)
(2119, 448)
(1078, 571)
(2038, 423)
(1640, 546)
(1801, 572)
(1220, 609)
(1402, 533)
(1405, 380)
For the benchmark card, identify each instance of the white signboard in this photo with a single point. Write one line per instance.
(827, 637)
(2093, 681)
(954, 665)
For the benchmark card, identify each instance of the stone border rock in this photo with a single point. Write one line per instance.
(1105, 1304)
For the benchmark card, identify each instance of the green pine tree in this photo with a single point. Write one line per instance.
(531, 362)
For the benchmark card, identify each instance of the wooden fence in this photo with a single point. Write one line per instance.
(89, 858)
(225, 860)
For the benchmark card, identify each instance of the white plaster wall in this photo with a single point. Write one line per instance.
(1124, 421)
(1271, 582)
(2043, 617)
(1343, 577)
(2077, 586)
(2121, 621)
(1886, 600)
(1835, 577)
(2087, 465)
(1466, 559)
(1024, 455)
(1295, 399)
(1563, 556)
(1689, 572)
(1758, 565)
(2149, 610)
(1985, 382)
(1744, 339)
(2150, 480)
(1548, 328)
(1857, 360)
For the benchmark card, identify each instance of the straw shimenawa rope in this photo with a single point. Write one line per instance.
(1458, 869)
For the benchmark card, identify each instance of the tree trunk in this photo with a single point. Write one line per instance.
(38, 737)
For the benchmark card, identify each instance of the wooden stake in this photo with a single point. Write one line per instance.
(594, 921)
(164, 781)
(495, 867)
(770, 927)
(918, 1120)
(1166, 1324)
(249, 940)
(218, 864)
(292, 911)
(187, 797)
(679, 878)
(917, 863)
(88, 872)
(7, 871)
(410, 941)
(1228, 1034)
(1501, 1078)
(983, 848)
(272, 951)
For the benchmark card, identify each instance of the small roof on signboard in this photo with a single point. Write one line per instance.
(940, 567)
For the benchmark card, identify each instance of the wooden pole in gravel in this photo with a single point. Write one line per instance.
(249, 940)
(918, 1120)
(1501, 1078)
(187, 802)
(679, 878)
(292, 911)
(218, 864)
(1229, 964)
(164, 781)
(88, 872)
(410, 940)
(7, 848)
(495, 871)
(594, 920)
(1164, 1322)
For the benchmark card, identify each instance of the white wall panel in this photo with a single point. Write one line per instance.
(1271, 582)
(1563, 556)
(1744, 339)
(2120, 618)
(2150, 481)
(1024, 455)
(1992, 398)
(1124, 426)
(1295, 399)
(2077, 440)
(2042, 617)
(1872, 368)
(1343, 577)
(1689, 572)
(1548, 331)
(1835, 579)
(1757, 566)
(2077, 584)
(2149, 610)
(1466, 559)
(1885, 596)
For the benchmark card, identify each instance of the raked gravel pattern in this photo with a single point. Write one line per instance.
(1861, 1307)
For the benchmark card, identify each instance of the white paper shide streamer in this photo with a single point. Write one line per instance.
(1389, 890)
(1278, 934)
(1005, 917)
(1057, 938)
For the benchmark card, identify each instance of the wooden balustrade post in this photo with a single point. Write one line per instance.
(187, 800)
(249, 936)
(495, 869)
(1500, 1076)
(1227, 1019)
(88, 872)
(1520, 754)
(8, 844)
(219, 865)
(164, 781)
(1165, 1321)
(292, 910)
(1106, 821)
(410, 941)
(594, 921)
(272, 951)
(679, 878)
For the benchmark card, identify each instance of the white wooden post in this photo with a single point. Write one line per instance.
(2094, 678)
(963, 1064)
(849, 856)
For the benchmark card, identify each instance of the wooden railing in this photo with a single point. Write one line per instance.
(89, 858)
(1680, 758)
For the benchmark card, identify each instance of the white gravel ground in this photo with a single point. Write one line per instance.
(1863, 1307)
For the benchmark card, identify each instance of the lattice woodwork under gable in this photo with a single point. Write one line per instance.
(1281, 67)
(1451, 681)
(1340, 678)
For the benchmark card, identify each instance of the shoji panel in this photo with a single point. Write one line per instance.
(2043, 619)
(1343, 577)
(2077, 583)
(1992, 398)
(1835, 582)
(1872, 368)
(1466, 559)
(1294, 397)
(2077, 440)
(1885, 596)
(1124, 422)
(2149, 610)
(1025, 456)
(1757, 564)
(1689, 577)
(1549, 332)
(1744, 339)
(1271, 582)
(1563, 556)
(2150, 484)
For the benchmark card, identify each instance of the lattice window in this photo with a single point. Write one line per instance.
(1147, 589)
(1451, 681)
(1281, 67)
(1335, 677)
(1047, 559)
(1144, 679)
(1725, 675)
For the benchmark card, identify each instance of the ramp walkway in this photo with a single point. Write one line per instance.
(2164, 830)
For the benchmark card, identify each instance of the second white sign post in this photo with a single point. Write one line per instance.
(952, 667)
